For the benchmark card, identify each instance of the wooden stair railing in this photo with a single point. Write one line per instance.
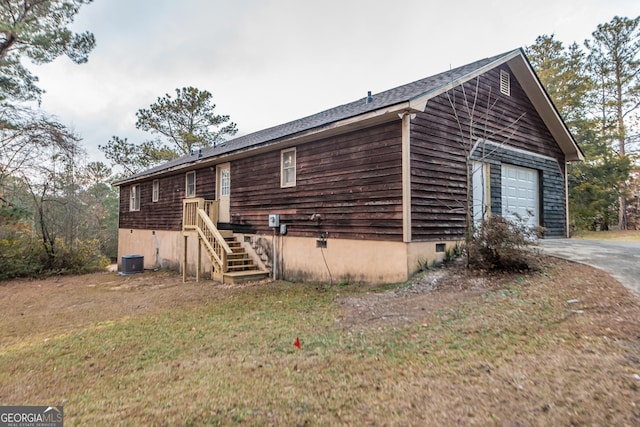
(217, 248)
(228, 259)
(199, 217)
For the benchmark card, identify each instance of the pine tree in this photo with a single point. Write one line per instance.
(37, 30)
(614, 60)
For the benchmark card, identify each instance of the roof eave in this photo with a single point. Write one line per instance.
(379, 116)
(163, 172)
(532, 86)
(516, 60)
(420, 101)
(541, 100)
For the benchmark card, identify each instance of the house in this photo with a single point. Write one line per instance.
(363, 191)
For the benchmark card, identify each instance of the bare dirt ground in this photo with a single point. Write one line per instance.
(57, 305)
(427, 292)
(582, 288)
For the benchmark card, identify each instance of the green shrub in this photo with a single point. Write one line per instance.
(84, 256)
(19, 257)
(23, 256)
(423, 264)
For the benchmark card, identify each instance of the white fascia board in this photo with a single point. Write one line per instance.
(545, 108)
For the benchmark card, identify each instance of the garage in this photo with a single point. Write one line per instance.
(520, 196)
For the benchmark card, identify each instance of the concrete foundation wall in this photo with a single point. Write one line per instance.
(297, 258)
(419, 253)
(342, 261)
(169, 244)
(351, 261)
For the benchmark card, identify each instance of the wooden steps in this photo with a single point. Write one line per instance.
(230, 261)
(245, 276)
(240, 266)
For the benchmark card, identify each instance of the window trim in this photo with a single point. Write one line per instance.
(155, 192)
(225, 170)
(188, 194)
(481, 192)
(134, 198)
(284, 184)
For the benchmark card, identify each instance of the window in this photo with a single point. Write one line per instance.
(288, 168)
(505, 82)
(225, 181)
(155, 195)
(190, 190)
(134, 202)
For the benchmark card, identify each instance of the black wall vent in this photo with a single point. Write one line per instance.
(132, 264)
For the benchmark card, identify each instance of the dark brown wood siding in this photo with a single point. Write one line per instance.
(354, 181)
(166, 213)
(438, 165)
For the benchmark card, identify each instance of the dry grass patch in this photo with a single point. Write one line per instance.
(555, 347)
(616, 235)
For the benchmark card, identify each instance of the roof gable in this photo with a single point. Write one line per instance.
(409, 97)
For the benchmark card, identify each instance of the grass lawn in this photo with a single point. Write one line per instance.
(555, 347)
(624, 235)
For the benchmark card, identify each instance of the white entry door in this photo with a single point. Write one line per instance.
(223, 177)
(520, 194)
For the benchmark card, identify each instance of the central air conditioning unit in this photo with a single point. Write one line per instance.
(132, 264)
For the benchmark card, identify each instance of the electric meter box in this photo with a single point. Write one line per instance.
(274, 220)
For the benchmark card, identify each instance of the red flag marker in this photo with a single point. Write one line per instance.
(297, 344)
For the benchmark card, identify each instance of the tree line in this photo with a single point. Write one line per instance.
(596, 88)
(53, 204)
(59, 213)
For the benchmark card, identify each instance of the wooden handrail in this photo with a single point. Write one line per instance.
(214, 230)
(200, 216)
(211, 207)
(212, 251)
(213, 240)
(190, 212)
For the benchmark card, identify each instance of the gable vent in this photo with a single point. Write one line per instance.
(505, 83)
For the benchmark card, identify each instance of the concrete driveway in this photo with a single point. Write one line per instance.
(620, 259)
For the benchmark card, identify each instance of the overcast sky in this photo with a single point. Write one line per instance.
(267, 62)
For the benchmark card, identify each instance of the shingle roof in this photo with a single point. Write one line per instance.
(380, 100)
